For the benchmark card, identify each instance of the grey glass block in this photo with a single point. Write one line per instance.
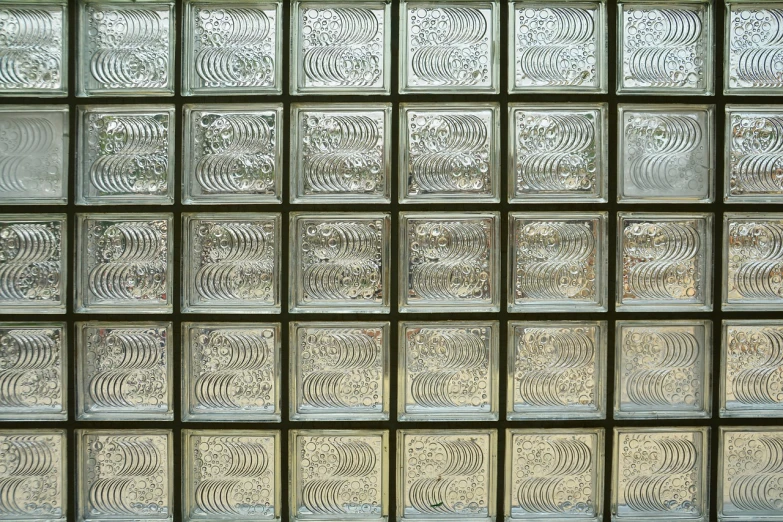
(753, 56)
(557, 261)
(340, 153)
(448, 371)
(231, 372)
(339, 262)
(666, 154)
(232, 47)
(340, 371)
(662, 369)
(449, 153)
(559, 152)
(664, 262)
(124, 263)
(125, 155)
(232, 154)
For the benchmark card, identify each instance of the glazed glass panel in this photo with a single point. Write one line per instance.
(753, 56)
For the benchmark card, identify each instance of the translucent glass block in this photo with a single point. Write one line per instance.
(664, 262)
(557, 262)
(341, 48)
(231, 263)
(339, 262)
(339, 475)
(446, 474)
(666, 154)
(449, 153)
(126, 155)
(448, 371)
(232, 48)
(558, 152)
(124, 263)
(340, 371)
(341, 153)
(660, 473)
(231, 372)
(753, 63)
(556, 370)
(662, 369)
(449, 261)
(233, 154)
(450, 47)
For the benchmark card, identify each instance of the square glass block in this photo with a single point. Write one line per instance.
(341, 153)
(341, 48)
(124, 371)
(449, 261)
(231, 372)
(448, 371)
(665, 48)
(554, 474)
(662, 369)
(231, 475)
(449, 46)
(558, 152)
(124, 475)
(232, 47)
(124, 263)
(33, 152)
(232, 154)
(753, 63)
(556, 370)
(753, 170)
(664, 262)
(339, 475)
(339, 262)
(126, 48)
(446, 474)
(231, 263)
(449, 153)
(557, 262)
(125, 155)
(340, 371)
(33, 253)
(666, 153)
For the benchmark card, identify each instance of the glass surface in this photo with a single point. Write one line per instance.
(753, 56)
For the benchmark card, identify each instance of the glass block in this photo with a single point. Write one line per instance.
(446, 475)
(339, 475)
(339, 262)
(556, 370)
(341, 153)
(231, 372)
(664, 262)
(231, 263)
(448, 371)
(231, 475)
(340, 371)
(232, 48)
(660, 473)
(125, 155)
(662, 369)
(557, 262)
(753, 63)
(554, 474)
(233, 154)
(450, 47)
(124, 263)
(558, 153)
(126, 48)
(666, 154)
(449, 261)
(449, 153)
(341, 48)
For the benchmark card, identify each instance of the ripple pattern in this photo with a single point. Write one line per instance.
(30, 156)
(756, 154)
(754, 462)
(756, 47)
(754, 360)
(755, 262)
(30, 262)
(31, 48)
(30, 370)
(30, 480)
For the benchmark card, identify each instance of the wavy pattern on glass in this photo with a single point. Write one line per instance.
(30, 263)
(31, 476)
(752, 474)
(753, 369)
(755, 47)
(31, 380)
(755, 261)
(31, 48)
(755, 154)
(30, 156)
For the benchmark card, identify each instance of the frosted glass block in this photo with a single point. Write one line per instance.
(340, 371)
(664, 262)
(231, 372)
(449, 153)
(448, 371)
(340, 153)
(753, 56)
